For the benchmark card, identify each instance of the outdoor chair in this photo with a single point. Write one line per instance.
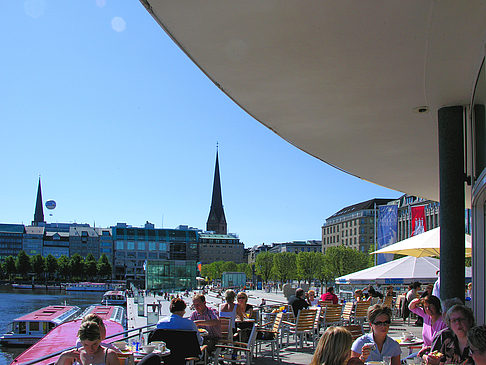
(227, 324)
(332, 315)
(361, 312)
(356, 330)
(236, 352)
(348, 313)
(387, 301)
(183, 345)
(303, 327)
(270, 336)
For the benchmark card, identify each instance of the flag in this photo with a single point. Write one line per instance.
(387, 227)
(418, 220)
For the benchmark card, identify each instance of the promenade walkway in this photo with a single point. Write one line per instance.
(288, 355)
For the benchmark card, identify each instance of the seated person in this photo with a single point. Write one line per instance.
(99, 321)
(476, 338)
(329, 296)
(92, 352)
(206, 318)
(334, 348)
(243, 309)
(176, 320)
(311, 298)
(375, 345)
(298, 302)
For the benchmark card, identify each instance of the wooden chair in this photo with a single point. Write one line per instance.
(387, 301)
(236, 352)
(348, 313)
(332, 315)
(183, 345)
(271, 336)
(125, 358)
(303, 326)
(361, 312)
(356, 330)
(226, 329)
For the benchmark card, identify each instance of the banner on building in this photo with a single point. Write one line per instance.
(387, 228)
(418, 220)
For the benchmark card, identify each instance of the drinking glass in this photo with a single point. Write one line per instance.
(386, 360)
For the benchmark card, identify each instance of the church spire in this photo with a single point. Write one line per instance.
(39, 211)
(216, 220)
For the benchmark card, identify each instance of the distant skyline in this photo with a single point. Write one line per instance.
(122, 127)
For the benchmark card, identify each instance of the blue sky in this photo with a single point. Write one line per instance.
(122, 127)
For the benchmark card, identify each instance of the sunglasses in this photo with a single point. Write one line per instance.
(384, 323)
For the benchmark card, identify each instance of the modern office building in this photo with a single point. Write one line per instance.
(11, 236)
(33, 240)
(84, 240)
(56, 243)
(170, 274)
(133, 246)
(216, 247)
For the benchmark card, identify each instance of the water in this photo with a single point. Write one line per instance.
(17, 302)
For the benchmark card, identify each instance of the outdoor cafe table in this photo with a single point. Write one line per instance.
(413, 343)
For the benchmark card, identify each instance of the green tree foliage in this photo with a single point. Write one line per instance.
(76, 264)
(38, 264)
(22, 264)
(285, 266)
(9, 267)
(104, 267)
(323, 273)
(64, 267)
(344, 260)
(247, 269)
(264, 265)
(308, 265)
(229, 266)
(50, 265)
(213, 270)
(90, 266)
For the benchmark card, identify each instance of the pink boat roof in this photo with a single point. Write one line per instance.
(47, 314)
(62, 337)
(114, 292)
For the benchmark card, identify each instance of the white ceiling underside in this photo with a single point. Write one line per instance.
(341, 79)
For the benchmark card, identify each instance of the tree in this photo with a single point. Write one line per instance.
(323, 273)
(50, 265)
(9, 266)
(22, 264)
(76, 264)
(264, 264)
(344, 260)
(104, 267)
(228, 266)
(247, 269)
(307, 265)
(285, 266)
(64, 267)
(38, 263)
(90, 266)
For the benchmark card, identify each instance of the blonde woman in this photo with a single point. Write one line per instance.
(243, 309)
(334, 347)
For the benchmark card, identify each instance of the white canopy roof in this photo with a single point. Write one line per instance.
(401, 271)
(341, 80)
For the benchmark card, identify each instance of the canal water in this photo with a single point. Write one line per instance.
(17, 302)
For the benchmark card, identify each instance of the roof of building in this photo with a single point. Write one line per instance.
(34, 230)
(218, 236)
(78, 231)
(12, 228)
(369, 204)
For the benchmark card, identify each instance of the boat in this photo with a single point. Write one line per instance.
(114, 297)
(30, 328)
(65, 335)
(87, 286)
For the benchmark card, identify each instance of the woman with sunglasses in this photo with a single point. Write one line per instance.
(376, 345)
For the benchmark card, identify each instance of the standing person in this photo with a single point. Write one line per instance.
(452, 342)
(377, 344)
(92, 352)
(334, 347)
(476, 337)
(176, 320)
(206, 318)
(436, 289)
(432, 319)
(298, 302)
(329, 296)
(411, 294)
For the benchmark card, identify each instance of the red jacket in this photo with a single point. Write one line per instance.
(330, 297)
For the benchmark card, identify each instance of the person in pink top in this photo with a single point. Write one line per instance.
(329, 296)
(432, 315)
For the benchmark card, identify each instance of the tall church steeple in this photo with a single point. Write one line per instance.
(216, 220)
(39, 210)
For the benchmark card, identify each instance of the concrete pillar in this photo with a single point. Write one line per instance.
(452, 202)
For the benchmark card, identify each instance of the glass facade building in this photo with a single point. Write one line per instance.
(170, 274)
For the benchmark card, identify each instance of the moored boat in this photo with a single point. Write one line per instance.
(65, 335)
(114, 297)
(88, 286)
(30, 328)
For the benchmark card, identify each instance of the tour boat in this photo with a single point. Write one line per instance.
(30, 328)
(65, 336)
(114, 297)
(87, 286)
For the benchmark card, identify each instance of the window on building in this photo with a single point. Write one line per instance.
(141, 246)
(152, 246)
(130, 245)
(120, 245)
